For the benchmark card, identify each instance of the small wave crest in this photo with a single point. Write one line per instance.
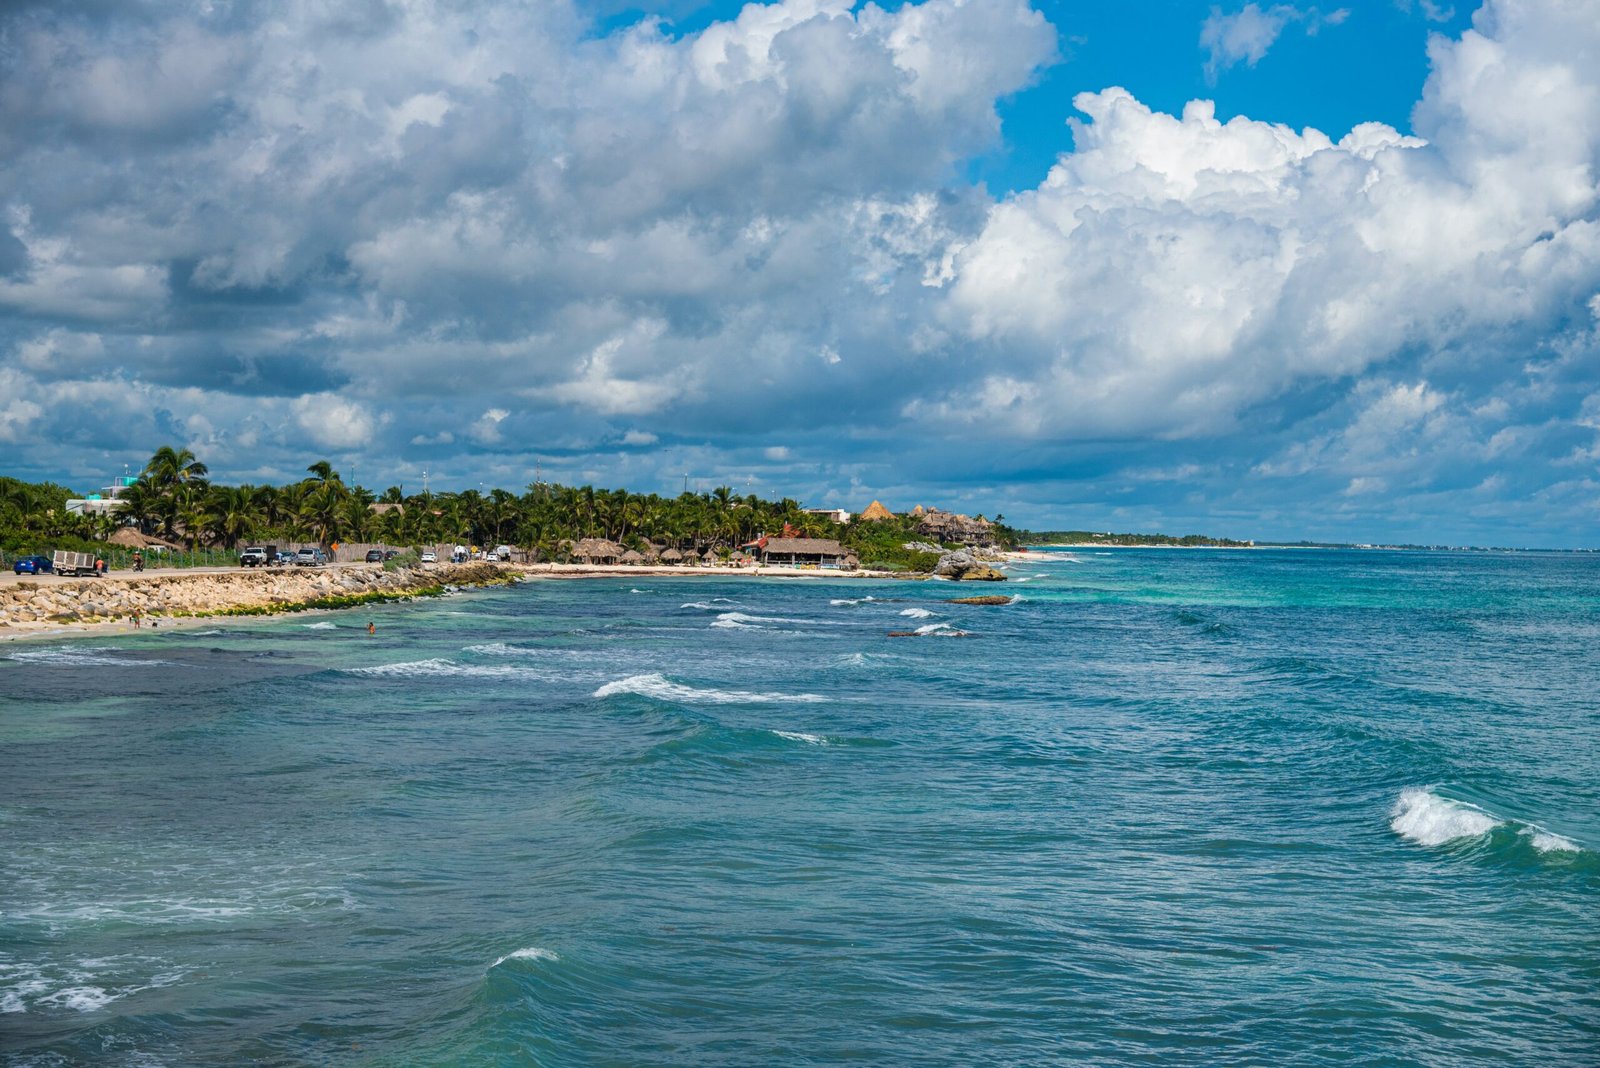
(838, 602)
(441, 667)
(744, 621)
(661, 688)
(802, 736)
(320, 626)
(940, 630)
(916, 613)
(528, 953)
(81, 656)
(716, 604)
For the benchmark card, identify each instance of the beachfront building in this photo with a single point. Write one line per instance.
(800, 552)
(836, 515)
(107, 502)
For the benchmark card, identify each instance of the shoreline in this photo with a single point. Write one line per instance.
(182, 599)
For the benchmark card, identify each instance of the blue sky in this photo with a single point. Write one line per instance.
(984, 254)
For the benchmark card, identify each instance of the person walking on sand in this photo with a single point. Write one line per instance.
(135, 619)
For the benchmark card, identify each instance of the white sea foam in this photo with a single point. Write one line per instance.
(916, 613)
(82, 998)
(662, 688)
(529, 953)
(942, 630)
(80, 656)
(440, 667)
(635, 590)
(79, 986)
(742, 620)
(716, 604)
(1546, 842)
(499, 649)
(320, 626)
(801, 736)
(837, 601)
(1430, 820)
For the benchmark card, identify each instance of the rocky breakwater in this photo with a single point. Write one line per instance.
(962, 566)
(29, 605)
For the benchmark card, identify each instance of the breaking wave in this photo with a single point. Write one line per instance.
(917, 613)
(940, 630)
(320, 626)
(716, 604)
(840, 601)
(661, 688)
(1428, 819)
(529, 953)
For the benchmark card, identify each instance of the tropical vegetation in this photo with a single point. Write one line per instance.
(175, 499)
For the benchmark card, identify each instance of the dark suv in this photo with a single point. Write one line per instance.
(374, 556)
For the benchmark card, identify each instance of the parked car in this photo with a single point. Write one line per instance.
(32, 565)
(310, 558)
(258, 556)
(429, 556)
(390, 554)
(374, 556)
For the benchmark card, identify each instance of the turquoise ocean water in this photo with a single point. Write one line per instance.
(1170, 807)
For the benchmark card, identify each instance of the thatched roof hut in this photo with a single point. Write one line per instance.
(130, 538)
(597, 551)
(850, 562)
(710, 556)
(794, 552)
(671, 556)
(876, 510)
(632, 557)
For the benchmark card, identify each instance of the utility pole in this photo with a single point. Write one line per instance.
(424, 481)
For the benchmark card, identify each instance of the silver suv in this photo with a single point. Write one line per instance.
(310, 558)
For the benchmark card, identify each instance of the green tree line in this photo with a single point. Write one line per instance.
(175, 498)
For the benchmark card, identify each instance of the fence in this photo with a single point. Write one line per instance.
(118, 559)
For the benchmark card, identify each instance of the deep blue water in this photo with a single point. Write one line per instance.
(1171, 807)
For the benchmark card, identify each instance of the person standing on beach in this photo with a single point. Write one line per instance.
(135, 619)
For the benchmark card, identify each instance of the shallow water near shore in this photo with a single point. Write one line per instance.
(1167, 807)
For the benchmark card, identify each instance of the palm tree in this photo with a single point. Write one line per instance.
(231, 514)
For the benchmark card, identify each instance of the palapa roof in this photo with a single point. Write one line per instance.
(918, 510)
(128, 538)
(876, 510)
(710, 555)
(671, 555)
(592, 547)
(805, 546)
(632, 556)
